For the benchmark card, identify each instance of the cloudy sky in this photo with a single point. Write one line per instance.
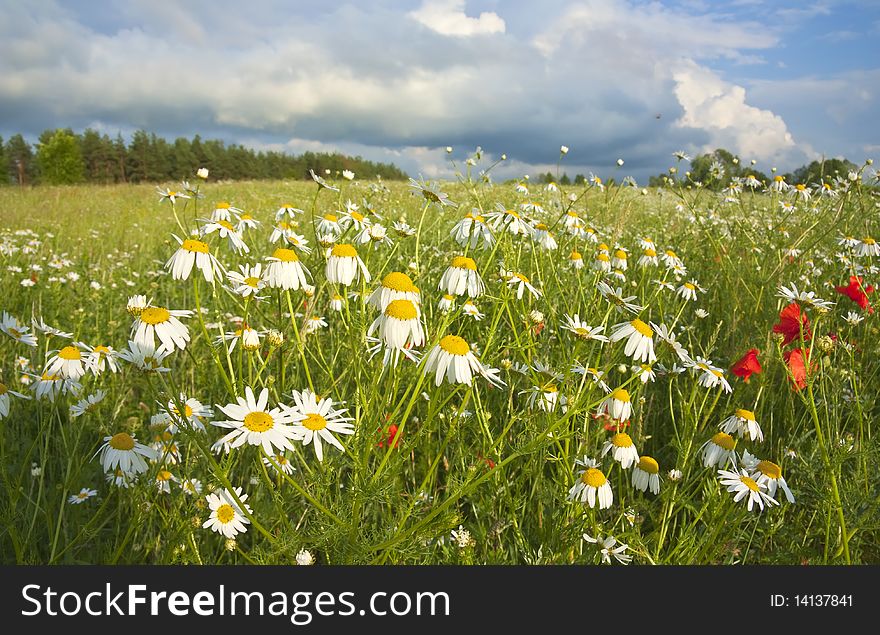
(782, 82)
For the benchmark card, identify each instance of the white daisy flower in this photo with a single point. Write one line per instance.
(5, 400)
(400, 325)
(395, 286)
(742, 423)
(461, 277)
(89, 404)
(582, 330)
(192, 253)
(622, 449)
(67, 363)
(745, 487)
(646, 475)
(284, 270)
(617, 405)
(591, 485)
(610, 549)
(344, 265)
(226, 230)
(123, 451)
(253, 423)
(160, 323)
(16, 330)
(639, 340)
(82, 496)
(453, 360)
(227, 518)
(522, 284)
(316, 420)
(719, 450)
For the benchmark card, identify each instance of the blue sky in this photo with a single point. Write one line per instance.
(396, 80)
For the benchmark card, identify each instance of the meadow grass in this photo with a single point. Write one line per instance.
(495, 462)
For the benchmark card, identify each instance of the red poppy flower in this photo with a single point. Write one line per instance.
(747, 365)
(389, 437)
(857, 293)
(791, 318)
(798, 367)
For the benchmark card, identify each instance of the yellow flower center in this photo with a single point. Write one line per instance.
(100, 349)
(225, 513)
(3, 388)
(593, 478)
(258, 421)
(869, 241)
(401, 310)
(314, 422)
(448, 298)
(603, 247)
(769, 468)
(287, 207)
(246, 216)
(688, 285)
(330, 218)
(285, 255)
(357, 216)
(222, 205)
(541, 227)
(48, 377)
(750, 483)
(620, 254)
(163, 475)
(463, 262)
(621, 440)
(778, 178)
(252, 281)
(196, 246)
(580, 331)
(724, 440)
(642, 328)
(521, 277)
(800, 187)
(512, 213)
(121, 441)
(650, 253)
(398, 282)
(745, 414)
(603, 257)
(671, 253)
(649, 465)
(455, 345)
(187, 411)
(576, 256)
(69, 353)
(344, 251)
(620, 395)
(226, 225)
(155, 315)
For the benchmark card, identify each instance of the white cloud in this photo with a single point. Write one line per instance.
(720, 108)
(448, 17)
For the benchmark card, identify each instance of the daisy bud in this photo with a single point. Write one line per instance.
(448, 149)
(202, 173)
(619, 162)
(504, 158)
(674, 475)
(536, 316)
(230, 544)
(826, 344)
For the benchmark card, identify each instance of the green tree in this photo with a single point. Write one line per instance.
(4, 165)
(823, 171)
(20, 160)
(59, 158)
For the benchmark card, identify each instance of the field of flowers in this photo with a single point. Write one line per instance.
(350, 371)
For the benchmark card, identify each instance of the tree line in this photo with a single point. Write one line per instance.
(715, 170)
(62, 156)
